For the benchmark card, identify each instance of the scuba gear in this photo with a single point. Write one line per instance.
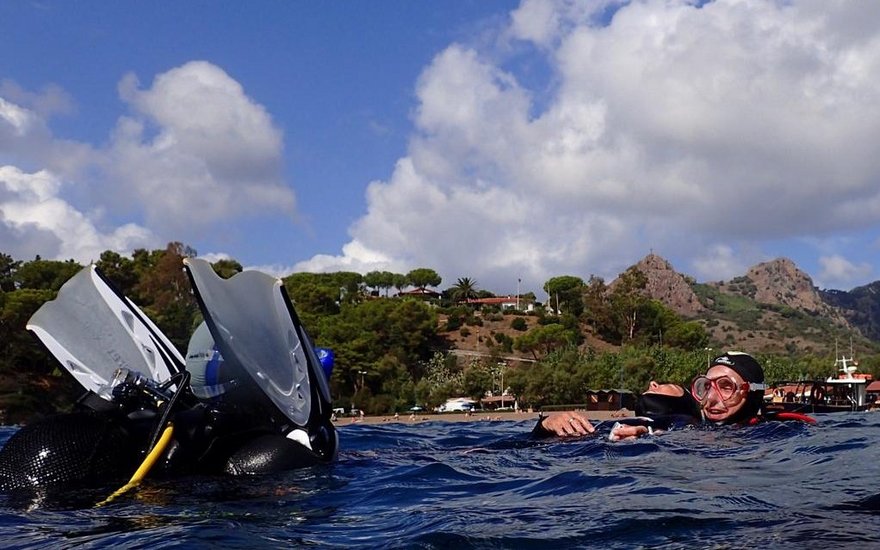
(257, 331)
(724, 385)
(327, 358)
(211, 375)
(263, 409)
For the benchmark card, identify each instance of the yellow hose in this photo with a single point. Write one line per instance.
(145, 466)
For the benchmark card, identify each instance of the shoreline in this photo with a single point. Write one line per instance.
(484, 416)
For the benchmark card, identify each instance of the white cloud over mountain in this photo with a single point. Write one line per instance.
(698, 131)
(578, 138)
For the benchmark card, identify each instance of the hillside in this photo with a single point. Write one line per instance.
(774, 307)
(670, 287)
(860, 307)
(480, 340)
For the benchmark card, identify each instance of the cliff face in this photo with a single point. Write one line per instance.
(668, 286)
(774, 283)
(778, 282)
(781, 282)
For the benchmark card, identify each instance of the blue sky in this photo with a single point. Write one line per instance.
(489, 139)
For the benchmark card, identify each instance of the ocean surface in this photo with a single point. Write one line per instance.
(488, 485)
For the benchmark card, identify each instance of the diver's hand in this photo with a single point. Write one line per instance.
(568, 424)
(622, 431)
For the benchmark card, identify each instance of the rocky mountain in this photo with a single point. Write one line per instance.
(669, 286)
(780, 282)
(774, 306)
(860, 306)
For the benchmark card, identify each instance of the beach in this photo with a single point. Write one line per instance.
(479, 416)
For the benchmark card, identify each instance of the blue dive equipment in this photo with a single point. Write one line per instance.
(326, 358)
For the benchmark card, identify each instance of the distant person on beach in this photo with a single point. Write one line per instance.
(731, 392)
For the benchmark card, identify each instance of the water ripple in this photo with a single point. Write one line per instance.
(488, 485)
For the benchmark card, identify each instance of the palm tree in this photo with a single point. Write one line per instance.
(464, 289)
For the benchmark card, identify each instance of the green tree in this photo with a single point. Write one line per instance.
(45, 274)
(379, 280)
(442, 379)
(597, 309)
(544, 339)
(313, 300)
(687, 335)
(350, 286)
(8, 266)
(324, 293)
(119, 270)
(423, 277)
(476, 379)
(464, 289)
(399, 282)
(657, 321)
(366, 334)
(165, 290)
(15, 341)
(627, 298)
(227, 267)
(566, 294)
(373, 280)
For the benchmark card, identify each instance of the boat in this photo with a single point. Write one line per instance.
(845, 392)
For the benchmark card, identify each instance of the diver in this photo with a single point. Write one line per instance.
(730, 393)
(147, 410)
(662, 406)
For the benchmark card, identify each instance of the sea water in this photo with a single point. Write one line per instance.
(487, 484)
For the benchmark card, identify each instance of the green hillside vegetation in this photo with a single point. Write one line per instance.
(396, 352)
(738, 320)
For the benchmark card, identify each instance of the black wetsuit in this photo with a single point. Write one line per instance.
(664, 412)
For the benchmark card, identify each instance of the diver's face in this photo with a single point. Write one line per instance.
(673, 390)
(717, 408)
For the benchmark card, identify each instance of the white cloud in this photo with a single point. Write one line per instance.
(34, 217)
(356, 257)
(700, 131)
(197, 150)
(838, 272)
(719, 263)
(15, 120)
(195, 154)
(50, 101)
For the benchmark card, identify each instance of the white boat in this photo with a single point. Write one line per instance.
(845, 392)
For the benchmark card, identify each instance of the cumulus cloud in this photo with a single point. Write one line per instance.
(197, 150)
(34, 217)
(719, 263)
(838, 272)
(52, 100)
(701, 131)
(194, 153)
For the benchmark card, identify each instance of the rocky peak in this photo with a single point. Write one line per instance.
(668, 286)
(780, 281)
